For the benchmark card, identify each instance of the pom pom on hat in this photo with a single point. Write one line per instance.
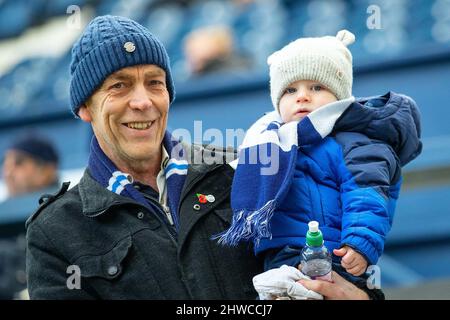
(346, 37)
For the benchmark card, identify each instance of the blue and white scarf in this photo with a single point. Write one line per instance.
(104, 171)
(265, 168)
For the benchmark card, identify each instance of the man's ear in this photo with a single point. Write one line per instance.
(85, 114)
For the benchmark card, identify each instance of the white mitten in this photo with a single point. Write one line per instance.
(282, 282)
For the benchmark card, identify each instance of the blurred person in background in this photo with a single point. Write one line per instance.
(30, 169)
(211, 49)
(139, 223)
(30, 164)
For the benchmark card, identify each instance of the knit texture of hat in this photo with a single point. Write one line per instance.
(325, 60)
(108, 44)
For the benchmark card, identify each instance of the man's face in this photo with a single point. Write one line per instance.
(20, 173)
(128, 113)
(303, 97)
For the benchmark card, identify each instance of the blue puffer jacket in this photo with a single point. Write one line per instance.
(350, 181)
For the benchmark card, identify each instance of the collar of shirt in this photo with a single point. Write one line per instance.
(161, 179)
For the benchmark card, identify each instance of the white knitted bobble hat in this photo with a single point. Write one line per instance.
(325, 59)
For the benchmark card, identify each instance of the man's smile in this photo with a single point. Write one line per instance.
(139, 125)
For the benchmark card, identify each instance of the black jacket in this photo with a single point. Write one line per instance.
(123, 251)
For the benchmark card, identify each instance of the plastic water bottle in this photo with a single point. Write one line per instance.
(316, 260)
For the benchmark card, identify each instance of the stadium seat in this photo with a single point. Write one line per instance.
(15, 17)
(20, 84)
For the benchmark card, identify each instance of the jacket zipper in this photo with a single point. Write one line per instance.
(169, 228)
(172, 235)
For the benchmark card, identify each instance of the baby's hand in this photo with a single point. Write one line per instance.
(352, 261)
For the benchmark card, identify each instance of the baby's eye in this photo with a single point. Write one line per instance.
(290, 90)
(316, 87)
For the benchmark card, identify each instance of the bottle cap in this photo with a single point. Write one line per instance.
(313, 226)
(314, 237)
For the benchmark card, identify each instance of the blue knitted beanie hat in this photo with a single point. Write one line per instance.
(108, 44)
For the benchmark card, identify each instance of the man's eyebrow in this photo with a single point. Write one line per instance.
(154, 73)
(120, 76)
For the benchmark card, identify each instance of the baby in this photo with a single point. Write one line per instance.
(339, 164)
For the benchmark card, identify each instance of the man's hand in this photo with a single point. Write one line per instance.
(339, 289)
(352, 261)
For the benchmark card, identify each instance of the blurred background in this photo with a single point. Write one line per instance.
(218, 52)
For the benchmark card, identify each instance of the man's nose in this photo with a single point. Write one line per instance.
(140, 98)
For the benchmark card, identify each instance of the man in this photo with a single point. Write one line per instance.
(139, 223)
(30, 165)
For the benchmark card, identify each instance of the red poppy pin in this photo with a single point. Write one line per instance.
(202, 198)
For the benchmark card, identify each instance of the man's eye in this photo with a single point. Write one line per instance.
(317, 87)
(156, 82)
(118, 85)
(290, 90)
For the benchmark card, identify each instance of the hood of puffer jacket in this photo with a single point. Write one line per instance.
(393, 118)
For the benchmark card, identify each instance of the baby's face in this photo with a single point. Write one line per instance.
(303, 97)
